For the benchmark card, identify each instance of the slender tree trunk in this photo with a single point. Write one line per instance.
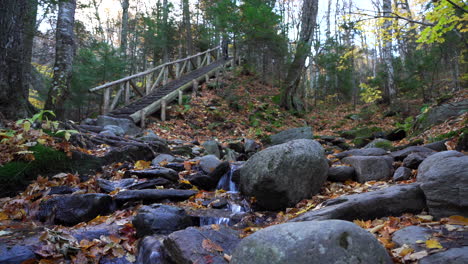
(390, 91)
(14, 59)
(293, 96)
(187, 26)
(124, 30)
(165, 48)
(64, 53)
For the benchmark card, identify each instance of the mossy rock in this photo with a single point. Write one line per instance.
(360, 142)
(380, 143)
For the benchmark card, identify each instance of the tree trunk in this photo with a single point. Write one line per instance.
(187, 26)
(64, 53)
(390, 91)
(14, 66)
(124, 32)
(165, 48)
(293, 97)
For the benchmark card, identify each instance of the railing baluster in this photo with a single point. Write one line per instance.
(106, 99)
(116, 99)
(127, 92)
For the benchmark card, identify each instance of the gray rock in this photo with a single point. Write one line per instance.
(451, 256)
(72, 209)
(62, 190)
(251, 146)
(150, 250)
(236, 146)
(107, 133)
(127, 125)
(114, 129)
(114, 260)
(409, 235)
(152, 173)
(292, 134)
(110, 186)
(402, 174)
(340, 173)
(199, 245)
(209, 182)
(362, 152)
(379, 143)
(183, 150)
(331, 241)
(88, 121)
(160, 158)
(153, 196)
(396, 134)
(208, 163)
(394, 200)
(149, 135)
(370, 168)
(437, 146)
(440, 114)
(230, 155)
(444, 180)
(413, 160)
(402, 154)
(282, 175)
(212, 148)
(16, 254)
(160, 219)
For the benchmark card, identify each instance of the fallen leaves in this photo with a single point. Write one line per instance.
(432, 243)
(211, 246)
(142, 165)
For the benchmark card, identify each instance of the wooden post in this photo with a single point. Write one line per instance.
(194, 88)
(207, 78)
(127, 92)
(208, 58)
(143, 117)
(198, 61)
(148, 83)
(166, 73)
(177, 70)
(163, 110)
(106, 100)
(218, 54)
(180, 97)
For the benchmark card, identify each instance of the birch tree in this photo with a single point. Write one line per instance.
(390, 91)
(124, 31)
(64, 53)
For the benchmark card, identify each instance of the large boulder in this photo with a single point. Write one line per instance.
(402, 154)
(361, 152)
(444, 180)
(371, 168)
(70, 210)
(440, 114)
(409, 235)
(292, 134)
(391, 201)
(402, 174)
(340, 173)
(127, 125)
(212, 148)
(152, 195)
(208, 163)
(282, 175)
(331, 241)
(204, 245)
(160, 219)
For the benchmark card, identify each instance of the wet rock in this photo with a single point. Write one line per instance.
(201, 245)
(236, 146)
(361, 152)
(282, 175)
(114, 260)
(160, 158)
(110, 186)
(230, 155)
(153, 196)
(160, 219)
(208, 163)
(219, 203)
(176, 166)
(402, 174)
(116, 130)
(90, 232)
(152, 173)
(451, 256)
(184, 150)
(150, 250)
(292, 134)
(72, 209)
(409, 235)
(413, 160)
(402, 154)
(251, 146)
(340, 173)
(331, 241)
(107, 133)
(370, 168)
(395, 135)
(127, 125)
(212, 148)
(16, 254)
(149, 135)
(444, 180)
(394, 200)
(62, 190)
(202, 181)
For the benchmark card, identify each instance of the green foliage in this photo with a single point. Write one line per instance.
(384, 145)
(407, 125)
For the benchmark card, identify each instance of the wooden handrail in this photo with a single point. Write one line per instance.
(110, 84)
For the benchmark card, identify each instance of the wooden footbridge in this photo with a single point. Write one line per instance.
(161, 85)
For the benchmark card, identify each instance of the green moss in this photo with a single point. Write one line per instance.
(384, 145)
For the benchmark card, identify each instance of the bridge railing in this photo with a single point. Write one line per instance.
(143, 83)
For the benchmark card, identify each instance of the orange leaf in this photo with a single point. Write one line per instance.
(141, 165)
(3, 216)
(211, 246)
(458, 220)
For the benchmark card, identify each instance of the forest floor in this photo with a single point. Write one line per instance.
(242, 108)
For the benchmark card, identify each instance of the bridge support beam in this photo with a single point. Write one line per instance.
(163, 110)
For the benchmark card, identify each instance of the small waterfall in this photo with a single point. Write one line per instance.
(226, 183)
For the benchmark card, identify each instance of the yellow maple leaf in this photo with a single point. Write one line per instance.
(458, 220)
(432, 243)
(141, 165)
